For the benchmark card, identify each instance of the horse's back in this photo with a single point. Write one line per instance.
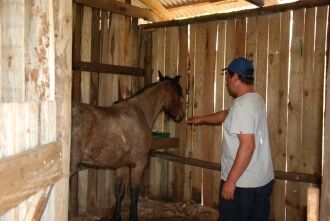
(109, 137)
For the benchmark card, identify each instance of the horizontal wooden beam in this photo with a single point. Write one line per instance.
(239, 14)
(24, 174)
(107, 68)
(165, 143)
(192, 5)
(259, 3)
(291, 176)
(121, 8)
(158, 9)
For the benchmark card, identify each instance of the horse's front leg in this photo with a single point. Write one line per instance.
(136, 177)
(122, 174)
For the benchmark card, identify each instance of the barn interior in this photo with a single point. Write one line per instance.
(55, 52)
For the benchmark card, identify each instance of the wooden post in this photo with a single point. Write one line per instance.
(63, 63)
(325, 191)
(313, 204)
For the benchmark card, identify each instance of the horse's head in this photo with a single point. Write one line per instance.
(174, 104)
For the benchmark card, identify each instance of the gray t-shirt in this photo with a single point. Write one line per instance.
(247, 116)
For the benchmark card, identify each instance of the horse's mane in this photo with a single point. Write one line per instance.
(140, 91)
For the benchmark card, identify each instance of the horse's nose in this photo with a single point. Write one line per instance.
(179, 117)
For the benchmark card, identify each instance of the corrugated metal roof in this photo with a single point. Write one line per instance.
(191, 8)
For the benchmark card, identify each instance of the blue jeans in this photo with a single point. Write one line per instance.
(249, 204)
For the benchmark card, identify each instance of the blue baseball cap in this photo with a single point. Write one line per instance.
(240, 66)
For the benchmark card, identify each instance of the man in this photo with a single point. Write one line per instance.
(246, 164)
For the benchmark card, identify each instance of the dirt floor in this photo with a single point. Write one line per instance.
(152, 210)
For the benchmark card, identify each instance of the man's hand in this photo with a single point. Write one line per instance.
(194, 120)
(228, 190)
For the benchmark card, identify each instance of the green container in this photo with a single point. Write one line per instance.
(157, 134)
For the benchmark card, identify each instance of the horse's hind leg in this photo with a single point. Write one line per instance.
(122, 173)
(136, 177)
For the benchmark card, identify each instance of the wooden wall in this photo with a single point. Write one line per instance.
(33, 140)
(107, 38)
(288, 52)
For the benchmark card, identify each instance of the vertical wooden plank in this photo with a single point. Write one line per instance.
(190, 110)
(94, 84)
(208, 107)
(325, 194)
(199, 67)
(12, 47)
(240, 37)
(260, 68)
(171, 65)
(294, 192)
(180, 129)
(77, 37)
(157, 61)
(219, 93)
(313, 204)
(86, 26)
(230, 55)
(312, 129)
(274, 81)
(278, 135)
(251, 40)
(316, 90)
(39, 51)
(274, 96)
(86, 37)
(106, 96)
(63, 75)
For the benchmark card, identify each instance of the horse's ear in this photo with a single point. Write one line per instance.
(161, 77)
(177, 78)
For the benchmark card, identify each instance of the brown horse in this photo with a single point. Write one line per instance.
(120, 136)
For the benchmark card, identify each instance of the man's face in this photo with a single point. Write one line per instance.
(230, 84)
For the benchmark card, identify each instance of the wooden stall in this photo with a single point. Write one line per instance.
(288, 46)
(35, 106)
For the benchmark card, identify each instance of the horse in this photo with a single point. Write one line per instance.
(120, 137)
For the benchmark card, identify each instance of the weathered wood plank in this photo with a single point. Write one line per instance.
(171, 70)
(208, 107)
(108, 68)
(220, 89)
(181, 128)
(77, 37)
(121, 8)
(62, 11)
(200, 32)
(313, 204)
(39, 60)
(251, 40)
(260, 68)
(294, 207)
(157, 62)
(282, 175)
(158, 9)
(86, 49)
(273, 92)
(230, 50)
(26, 173)
(12, 47)
(94, 89)
(86, 33)
(164, 143)
(240, 37)
(325, 196)
(279, 151)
